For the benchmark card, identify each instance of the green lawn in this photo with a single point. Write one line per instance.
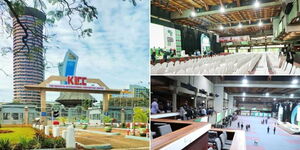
(14, 137)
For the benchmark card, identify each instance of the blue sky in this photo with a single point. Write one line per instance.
(117, 52)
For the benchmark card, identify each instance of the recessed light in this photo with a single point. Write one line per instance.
(260, 23)
(193, 14)
(267, 94)
(245, 81)
(244, 94)
(256, 4)
(222, 9)
(221, 27)
(240, 25)
(295, 81)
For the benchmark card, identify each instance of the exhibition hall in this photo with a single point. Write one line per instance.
(225, 37)
(225, 112)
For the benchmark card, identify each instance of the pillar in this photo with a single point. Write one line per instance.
(26, 115)
(174, 101)
(55, 131)
(230, 102)
(123, 115)
(70, 138)
(47, 130)
(43, 108)
(174, 96)
(218, 101)
(105, 102)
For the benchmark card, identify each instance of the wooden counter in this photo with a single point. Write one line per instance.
(193, 132)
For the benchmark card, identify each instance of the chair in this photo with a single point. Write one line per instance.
(293, 70)
(164, 129)
(227, 141)
(288, 68)
(218, 143)
(223, 141)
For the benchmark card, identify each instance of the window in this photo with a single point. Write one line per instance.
(15, 116)
(6, 116)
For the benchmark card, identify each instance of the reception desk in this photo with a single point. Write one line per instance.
(190, 135)
(186, 135)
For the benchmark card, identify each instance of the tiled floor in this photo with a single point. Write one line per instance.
(281, 140)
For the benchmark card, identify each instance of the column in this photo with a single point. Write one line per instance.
(105, 102)
(218, 101)
(174, 101)
(43, 108)
(174, 96)
(230, 102)
(26, 115)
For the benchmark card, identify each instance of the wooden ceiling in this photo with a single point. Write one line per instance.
(232, 18)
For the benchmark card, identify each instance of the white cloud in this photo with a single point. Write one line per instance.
(117, 52)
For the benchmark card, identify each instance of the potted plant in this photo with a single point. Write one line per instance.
(107, 123)
(141, 116)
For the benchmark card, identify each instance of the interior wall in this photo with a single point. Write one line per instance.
(190, 38)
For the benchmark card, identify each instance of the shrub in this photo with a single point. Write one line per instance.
(5, 144)
(23, 144)
(59, 142)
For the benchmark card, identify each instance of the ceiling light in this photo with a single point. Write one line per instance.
(222, 9)
(274, 99)
(245, 81)
(240, 25)
(244, 94)
(295, 81)
(221, 27)
(267, 94)
(260, 23)
(243, 98)
(193, 14)
(256, 4)
(292, 96)
(192, 97)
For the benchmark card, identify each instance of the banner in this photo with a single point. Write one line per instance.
(170, 38)
(234, 39)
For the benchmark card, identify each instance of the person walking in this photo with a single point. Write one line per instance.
(274, 130)
(154, 107)
(268, 129)
(246, 127)
(242, 126)
(238, 124)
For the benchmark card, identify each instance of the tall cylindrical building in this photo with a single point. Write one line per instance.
(28, 61)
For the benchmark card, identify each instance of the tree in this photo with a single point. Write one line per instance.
(72, 9)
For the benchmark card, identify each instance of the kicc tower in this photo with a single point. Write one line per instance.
(28, 59)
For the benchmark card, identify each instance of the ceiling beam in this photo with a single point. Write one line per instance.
(236, 27)
(259, 84)
(263, 96)
(187, 13)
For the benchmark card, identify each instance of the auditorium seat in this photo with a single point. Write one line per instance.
(223, 142)
(164, 129)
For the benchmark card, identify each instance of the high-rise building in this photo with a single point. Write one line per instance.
(28, 60)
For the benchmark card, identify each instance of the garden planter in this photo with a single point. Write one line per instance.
(107, 128)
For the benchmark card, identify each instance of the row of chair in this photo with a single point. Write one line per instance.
(281, 66)
(240, 63)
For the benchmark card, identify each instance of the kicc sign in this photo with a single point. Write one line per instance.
(74, 80)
